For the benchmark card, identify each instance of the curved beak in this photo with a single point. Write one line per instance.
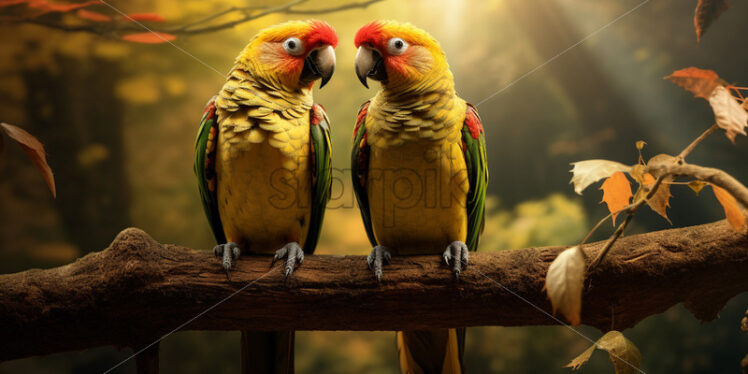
(319, 64)
(370, 64)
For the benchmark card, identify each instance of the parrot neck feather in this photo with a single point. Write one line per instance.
(430, 110)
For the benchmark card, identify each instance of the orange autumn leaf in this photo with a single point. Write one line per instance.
(35, 150)
(616, 193)
(701, 82)
(648, 179)
(46, 7)
(93, 16)
(149, 17)
(732, 210)
(706, 12)
(5, 3)
(149, 37)
(660, 201)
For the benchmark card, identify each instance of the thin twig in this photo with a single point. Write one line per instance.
(629, 216)
(663, 173)
(695, 142)
(199, 26)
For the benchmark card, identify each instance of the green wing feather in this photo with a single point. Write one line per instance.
(474, 141)
(321, 174)
(205, 156)
(359, 170)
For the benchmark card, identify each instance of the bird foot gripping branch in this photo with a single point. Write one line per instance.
(229, 253)
(458, 253)
(292, 253)
(375, 259)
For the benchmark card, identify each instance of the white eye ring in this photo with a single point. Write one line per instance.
(396, 46)
(293, 46)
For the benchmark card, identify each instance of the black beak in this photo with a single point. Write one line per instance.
(370, 64)
(320, 64)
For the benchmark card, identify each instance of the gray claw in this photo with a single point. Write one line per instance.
(458, 254)
(293, 254)
(229, 253)
(375, 259)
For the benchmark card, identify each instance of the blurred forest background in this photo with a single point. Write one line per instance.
(119, 120)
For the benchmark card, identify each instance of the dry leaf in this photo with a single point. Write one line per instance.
(46, 7)
(696, 186)
(35, 150)
(732, 210)
(564, 283)
(661, 199)
(93, 16)
(637, 172)
(706, 12)
(728, 112)
(700, 82)
(149, 37)
(145, 17)
(616, 193)
(590, 171)
(623, 353)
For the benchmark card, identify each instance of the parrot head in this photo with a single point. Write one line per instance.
(397, 54)
(293, 54)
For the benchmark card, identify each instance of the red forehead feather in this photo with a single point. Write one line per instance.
(370, 34)
(321, 33)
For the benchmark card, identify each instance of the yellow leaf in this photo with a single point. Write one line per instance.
(564, 283)
(623, 353)
(590, 171)
(697, 186)
(728, 112)
(732, 210)
(616, 193)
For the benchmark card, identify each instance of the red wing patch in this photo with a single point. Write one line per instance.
(473, 123)
(318, 114)
(363, 160)
(210, 148)
(360, 118)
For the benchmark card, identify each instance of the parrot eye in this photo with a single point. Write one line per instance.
(396, 46)
(293, 46)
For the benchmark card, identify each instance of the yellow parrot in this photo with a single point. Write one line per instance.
(419, 170)
(263, 161)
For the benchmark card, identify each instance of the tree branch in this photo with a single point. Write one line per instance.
(200, 26)
(137, 290)
(707, 174)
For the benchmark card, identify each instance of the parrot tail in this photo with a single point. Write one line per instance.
(431, 351)
(267, 352)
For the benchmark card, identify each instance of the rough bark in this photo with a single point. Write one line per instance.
(137, 290)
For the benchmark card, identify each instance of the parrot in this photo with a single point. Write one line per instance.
(419, 170)
(263, 161)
